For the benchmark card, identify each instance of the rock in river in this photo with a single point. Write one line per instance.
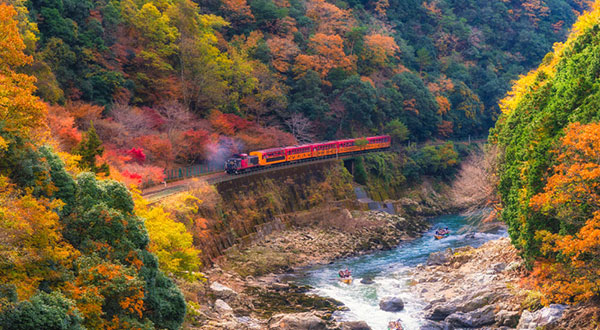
(439, 258)
(298, 321)
(391, 304)
(355, 325)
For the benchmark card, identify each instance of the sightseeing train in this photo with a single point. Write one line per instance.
(241, 163)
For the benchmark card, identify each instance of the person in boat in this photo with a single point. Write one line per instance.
(345, 273)
(442, 232)
(395, 325)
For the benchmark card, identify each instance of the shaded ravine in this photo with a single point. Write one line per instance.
(390, 271)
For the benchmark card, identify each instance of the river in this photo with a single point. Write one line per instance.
(391, 272)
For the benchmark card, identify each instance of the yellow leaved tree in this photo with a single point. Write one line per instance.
(169, 240)
(22, 115)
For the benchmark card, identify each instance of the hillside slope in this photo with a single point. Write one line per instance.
(549, 170)
(179, 82)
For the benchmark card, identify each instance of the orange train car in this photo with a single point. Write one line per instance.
(325, 149)
(268, 157)
(297, 153)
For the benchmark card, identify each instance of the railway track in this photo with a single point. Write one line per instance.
(156, 193)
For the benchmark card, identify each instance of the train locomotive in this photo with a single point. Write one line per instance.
(256, 160)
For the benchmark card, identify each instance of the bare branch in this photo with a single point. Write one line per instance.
(300, 127)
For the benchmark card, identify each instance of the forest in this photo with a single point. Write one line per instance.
(181, 82)
(98, 96)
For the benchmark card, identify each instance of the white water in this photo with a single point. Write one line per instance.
(391, 272)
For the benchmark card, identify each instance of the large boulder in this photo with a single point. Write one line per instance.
(431, 325)
(478, 300)
(474, 319)
(391, 304)
(541, 318)
(355, 325)
(438, 312)
(297, 321)
(222, 292)
(367, 280)
(223, 308)
(439, 258)
(508, 318)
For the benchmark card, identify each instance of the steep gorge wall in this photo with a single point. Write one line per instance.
(248, 208)
(241, 210)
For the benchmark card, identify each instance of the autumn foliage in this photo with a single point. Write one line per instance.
(549, 166)
(572, 195)
(329, 54)
(22, 114)
(73, 253)
(379, 48)
(169, 240)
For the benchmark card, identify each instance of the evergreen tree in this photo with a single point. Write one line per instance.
(88, 149)
(360, 174)
(51, 311)
(397, 130)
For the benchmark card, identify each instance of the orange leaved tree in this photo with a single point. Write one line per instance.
(21, 113)
(570, 271)
(329, 54)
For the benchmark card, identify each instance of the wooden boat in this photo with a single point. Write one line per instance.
(441, 236)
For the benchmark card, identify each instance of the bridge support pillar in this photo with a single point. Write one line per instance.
(349, 165)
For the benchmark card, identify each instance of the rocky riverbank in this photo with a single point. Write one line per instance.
(321, 236)
(243, 292)
(479, 289)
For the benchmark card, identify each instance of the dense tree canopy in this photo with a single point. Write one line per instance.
(548, 172)
(73, 254)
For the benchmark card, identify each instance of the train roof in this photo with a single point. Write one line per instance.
(378, 136)
(271, 149)
(299, 146)
(319, 143)
(326, 142)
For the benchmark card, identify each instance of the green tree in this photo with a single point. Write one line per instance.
(50, 311)
(307, 97)
(360, 174)
(89, 148)
(419, 106)
(397, 130)
(102, 223)
(359, 101)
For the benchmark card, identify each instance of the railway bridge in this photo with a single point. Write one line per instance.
(182, 179)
